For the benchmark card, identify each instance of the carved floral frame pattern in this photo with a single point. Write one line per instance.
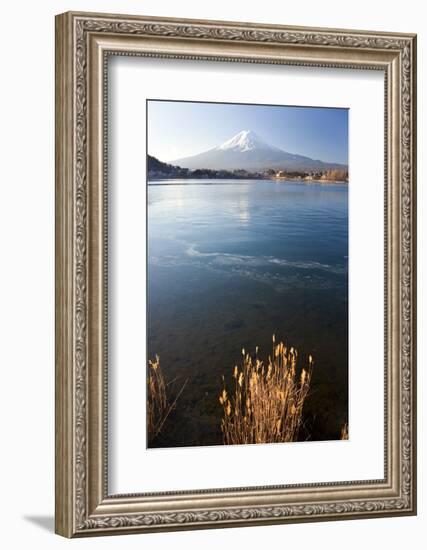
(73, 514)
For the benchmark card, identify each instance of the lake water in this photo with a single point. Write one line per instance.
(229, 264)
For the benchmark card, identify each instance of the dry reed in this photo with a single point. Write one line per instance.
(159, 404)
(266, 403)
(344, 431)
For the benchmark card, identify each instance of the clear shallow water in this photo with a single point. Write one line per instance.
(229, 264)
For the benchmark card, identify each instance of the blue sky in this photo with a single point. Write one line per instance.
(178, 129)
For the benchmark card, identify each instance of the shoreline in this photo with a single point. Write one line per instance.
(298, 180)
(273, 179)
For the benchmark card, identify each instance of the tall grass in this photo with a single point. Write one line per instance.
(159, 402)
(266, 402)
(344, 431)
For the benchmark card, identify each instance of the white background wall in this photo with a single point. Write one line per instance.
(27, 273)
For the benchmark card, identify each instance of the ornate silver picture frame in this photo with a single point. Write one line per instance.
(84, 43)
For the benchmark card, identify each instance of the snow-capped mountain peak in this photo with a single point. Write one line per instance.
(248, 151)
(246, 140)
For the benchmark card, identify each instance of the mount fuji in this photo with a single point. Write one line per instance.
(248, 151)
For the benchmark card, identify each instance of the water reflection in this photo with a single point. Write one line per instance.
(231, 263)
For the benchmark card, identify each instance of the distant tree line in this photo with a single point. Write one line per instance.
(161, 170)
(335, 175)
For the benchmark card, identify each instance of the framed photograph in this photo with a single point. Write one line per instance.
(235, 274)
